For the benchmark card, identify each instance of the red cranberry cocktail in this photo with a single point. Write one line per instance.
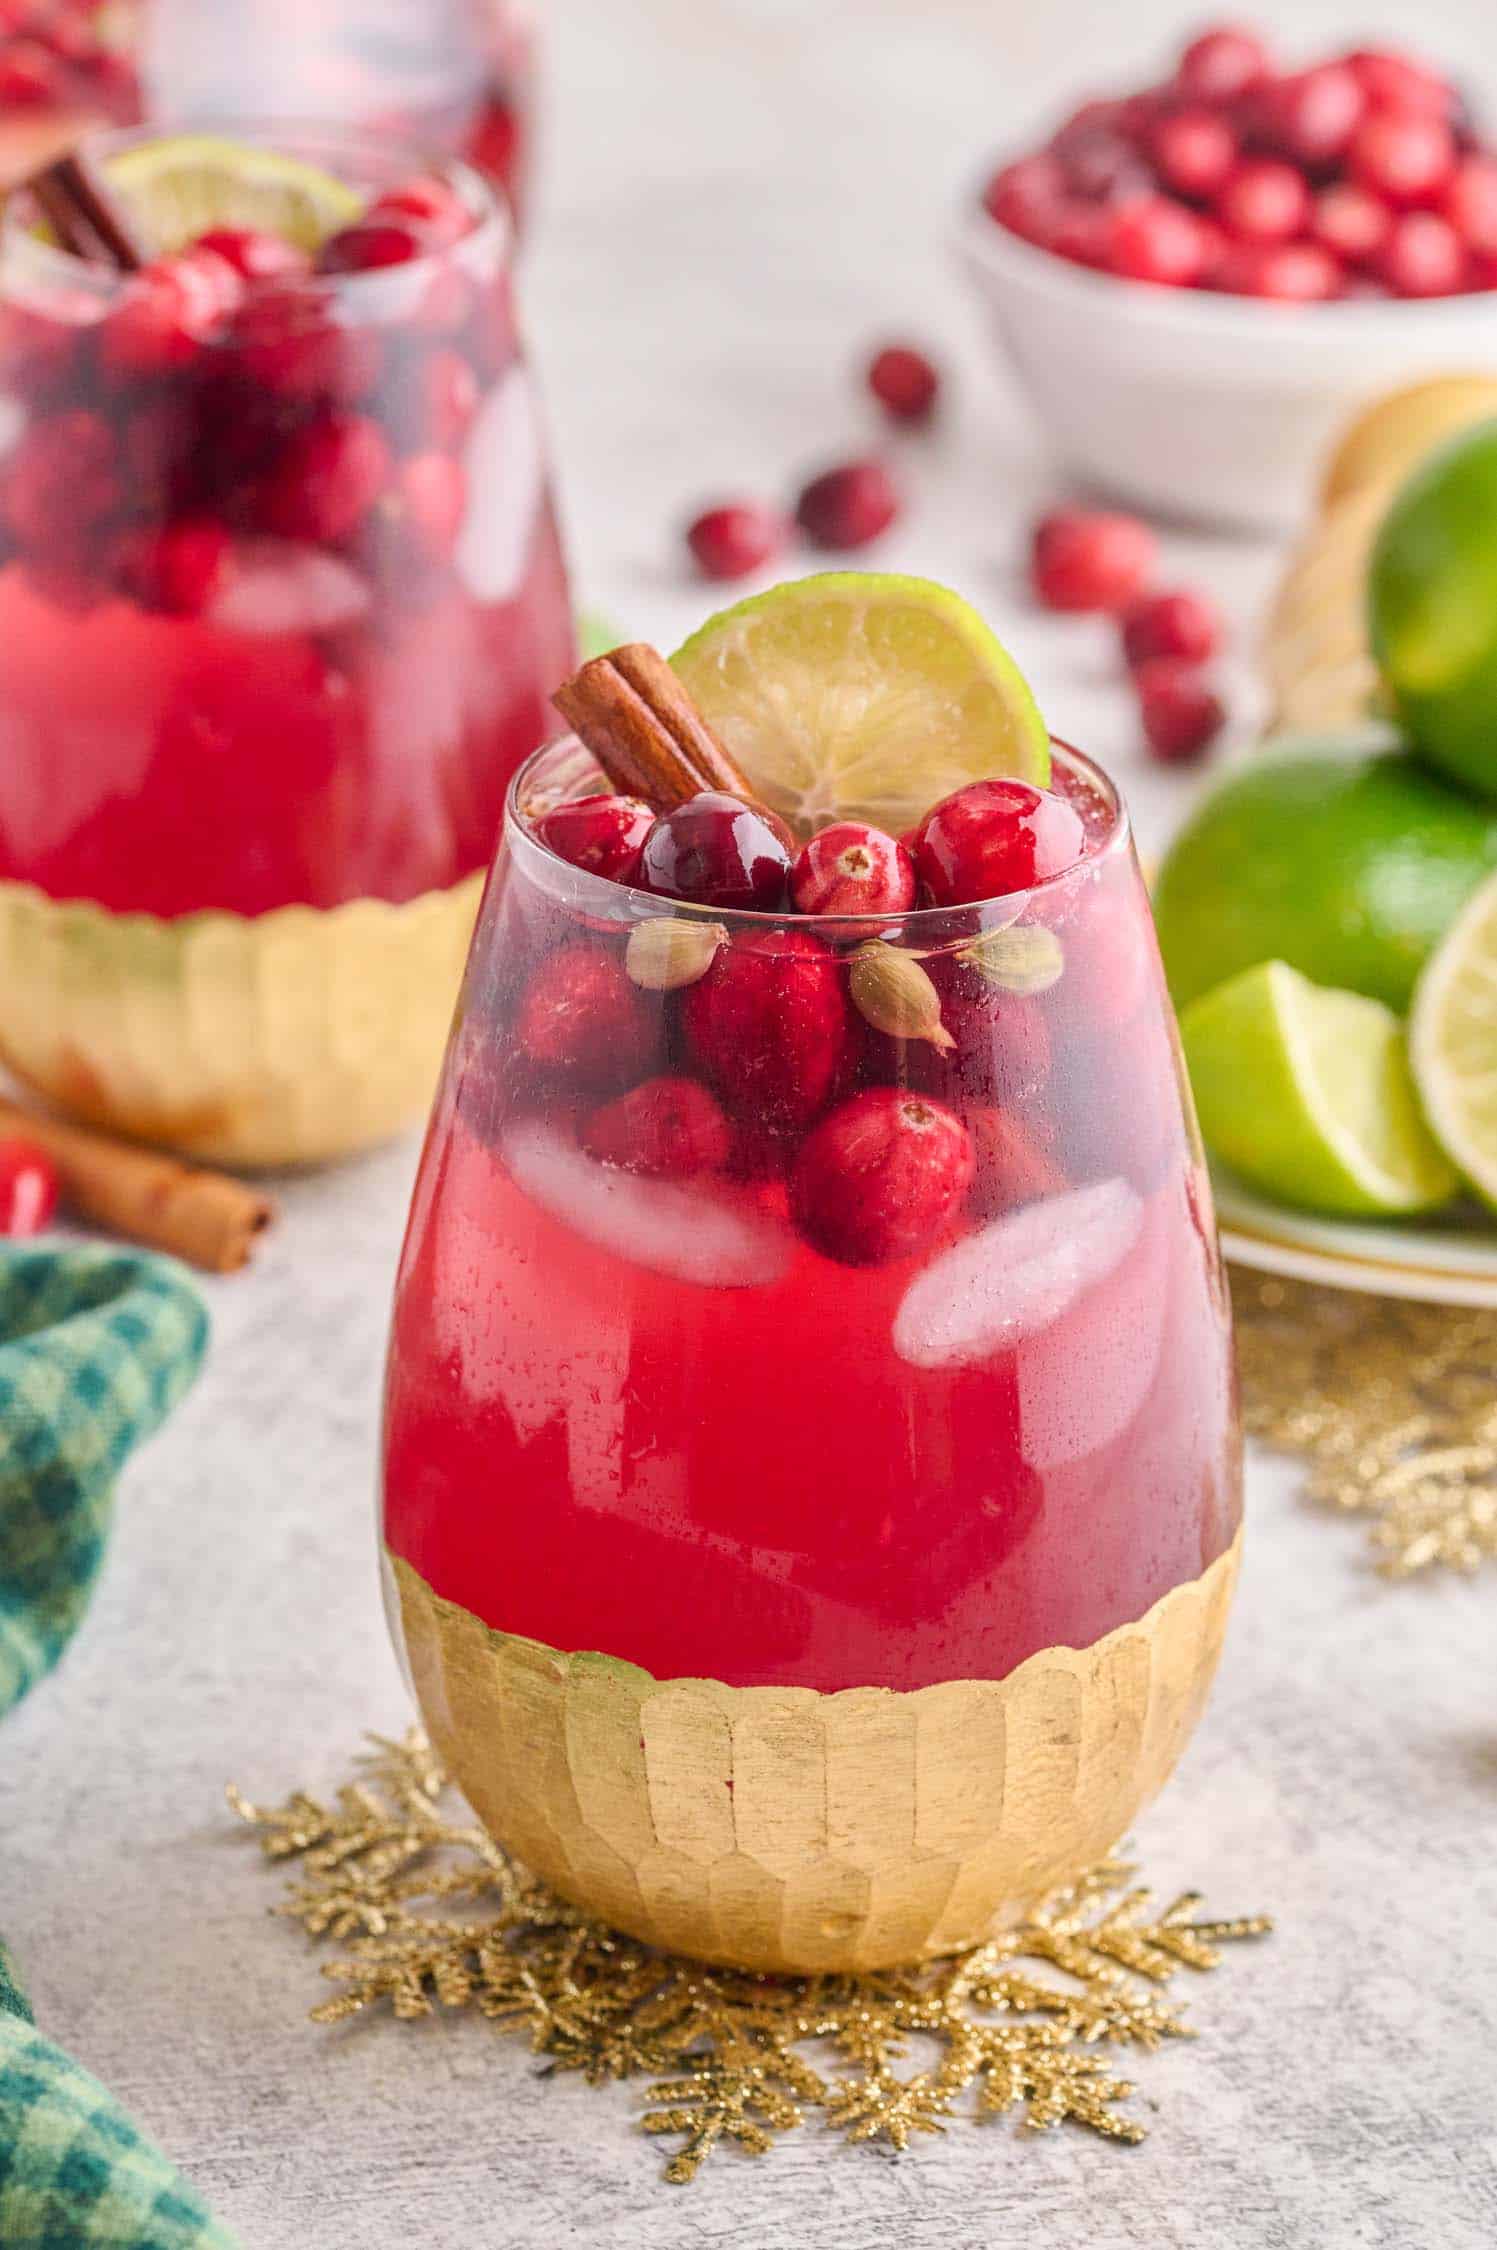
(280, 586)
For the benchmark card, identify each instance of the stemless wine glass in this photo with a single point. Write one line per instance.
(281, 595)
(812, 1480)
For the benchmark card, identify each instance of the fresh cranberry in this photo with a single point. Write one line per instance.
(326, 479)
(1156, 240)
(1423, 257)
(716, 851)
(668, 1129)
(848, 506)
(28, 1187)
(1350, 223)
(852, 869)
(1312, 115)
(1107, 168)
(254, 254)
(372, 243)
(581, 1017)
(881, 1176)
(994, 838)
(177, 567)
(769, 1024)
(431, 497)
(450, 396)
(1222, 63)
(1084, 124)
(1289, 273)
(1470, 204)
(905, 382)
(288, 343)
(1012, 1163)
(1081, 232)
(1183, 624)
(1394, 81)
(1023, 195)
(735, 538)
(1083, 560)
(29, 76)
(1403, 156)
(1264, 201)
(603, 834)
(1194, 152)
(433, 204)
(1182, 716)
(62, 472)
(167, 312)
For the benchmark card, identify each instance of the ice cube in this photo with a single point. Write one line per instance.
(1085, 1377)
(1010, 1280)
(276, 586)
(710, 1236)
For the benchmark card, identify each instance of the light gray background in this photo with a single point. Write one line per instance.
(737, 196)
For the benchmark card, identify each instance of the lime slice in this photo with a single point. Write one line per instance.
(860, 696)
(1453, 1042)
(1308, 1095)
(177, 189)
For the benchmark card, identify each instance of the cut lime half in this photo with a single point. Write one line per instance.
(1453, 1042)
(178, 188)
(863, 696)
(1307, 1094)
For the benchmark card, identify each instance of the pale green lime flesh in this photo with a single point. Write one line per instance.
(178, 188)
(863, 696)
(1453, 1042)
(1308, 1095)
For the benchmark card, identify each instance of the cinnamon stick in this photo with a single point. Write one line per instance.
(84, 215)
(205, 1217)
(640, 724)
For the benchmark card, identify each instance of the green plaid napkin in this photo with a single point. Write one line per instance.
(96, 1347)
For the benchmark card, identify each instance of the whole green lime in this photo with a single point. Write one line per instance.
(1349, 864)
(1432, 608)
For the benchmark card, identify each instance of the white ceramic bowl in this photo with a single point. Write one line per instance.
(1190, 404)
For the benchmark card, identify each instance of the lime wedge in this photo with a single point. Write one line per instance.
(863, 696)
(178, 188)
(1453, 1042)
(1308, 1095)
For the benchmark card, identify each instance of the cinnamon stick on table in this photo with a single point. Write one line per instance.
(640, 724)
(205, 1217)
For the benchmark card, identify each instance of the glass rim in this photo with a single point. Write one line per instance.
(304, 138)
(601, 894)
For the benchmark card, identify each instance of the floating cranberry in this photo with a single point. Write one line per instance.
(28, 1187)
(1470, 204)
(1194, 152)
(176, 567)
(994, 838)
(881, 1176)
(1156, 240)
(167, 312)
(30, 77)
(848, 506)
(668, 1129)
(1264, 201)
(431, 495)
(905, 382)
(1423, 257)
(716, 851)
(1290, 273)
(603, 834)
(63, 471)
(735, 538)
(1394, 81)
(850, 868)
(450, 396)
(1085, 560)
(1182, 715)
(770, 1025)
(326, 479)
(1403, 156)
(287, 342)
(1013, 1164)
(373, 243)
(581, 1017)
(1182, 624)
(434, 205)
(1351, 224)
(254, 254)
(1223, 63)
(1312, 115)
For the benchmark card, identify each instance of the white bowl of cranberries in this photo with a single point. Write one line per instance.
(1198, 281)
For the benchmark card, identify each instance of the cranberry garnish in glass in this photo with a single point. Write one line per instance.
(742, 1339)
(281, 591)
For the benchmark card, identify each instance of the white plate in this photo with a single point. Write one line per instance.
(1445, 1261)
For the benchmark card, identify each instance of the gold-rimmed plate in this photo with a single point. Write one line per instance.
(1451, 1260)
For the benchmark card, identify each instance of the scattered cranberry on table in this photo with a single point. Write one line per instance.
(1083, 559)
(735, 539)
(28, 1187)
(1182, 714)
(1322, 163)
(1180, 623)
(905, 382)
(848, 506)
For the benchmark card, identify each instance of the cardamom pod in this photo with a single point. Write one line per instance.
(671, 950)
(1024, 958)
(891, 991)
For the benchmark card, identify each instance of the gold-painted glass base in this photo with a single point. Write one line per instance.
(781, 1829)
(284, 1038)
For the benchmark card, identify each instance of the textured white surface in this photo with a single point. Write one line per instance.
(738, 196)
